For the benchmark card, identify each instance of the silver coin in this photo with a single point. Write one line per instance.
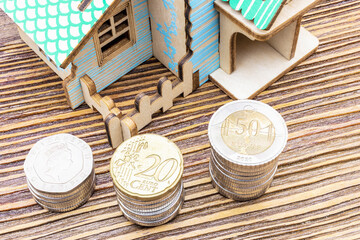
(64, 201)
(239, 185)
(164, 220)
(149, 206)
(255, 171)
(235, 196)
(68, 205)
(144, 202)
(243, 178)
(67, 202)
(234, 188)
(157, 214)
(63, 196)
(67, 208)
(247, 133)
(59, 163)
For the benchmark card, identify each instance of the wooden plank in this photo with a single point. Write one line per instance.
(314, 193)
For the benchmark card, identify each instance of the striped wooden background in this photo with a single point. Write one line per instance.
(315, 193)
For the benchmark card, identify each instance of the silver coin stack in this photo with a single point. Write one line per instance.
(147, 171)
(152, 212)
(246, 139)
(60, 172)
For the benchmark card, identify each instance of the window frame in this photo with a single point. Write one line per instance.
(103, 58)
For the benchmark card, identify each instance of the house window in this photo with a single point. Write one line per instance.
(115, 34)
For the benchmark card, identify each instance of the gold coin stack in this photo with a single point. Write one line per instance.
(60, 172)
(246, 139)
(147, 174)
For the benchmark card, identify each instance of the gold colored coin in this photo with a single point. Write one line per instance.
(146, 166)
(248, 132)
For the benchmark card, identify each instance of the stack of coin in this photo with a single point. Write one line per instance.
(60, 172)
(246, 139)
(147, 174)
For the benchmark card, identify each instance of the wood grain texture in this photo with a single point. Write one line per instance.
(315, 193)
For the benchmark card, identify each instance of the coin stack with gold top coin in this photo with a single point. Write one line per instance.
(60, 172)
(246, 139)
(147, 174)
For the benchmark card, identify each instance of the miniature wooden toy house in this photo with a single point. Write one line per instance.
(241, 45)
(255, 54)
(105, 39)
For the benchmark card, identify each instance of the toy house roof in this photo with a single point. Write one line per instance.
(262, 12)
(56, 26)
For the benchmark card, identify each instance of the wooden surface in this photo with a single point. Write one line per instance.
(315, 193)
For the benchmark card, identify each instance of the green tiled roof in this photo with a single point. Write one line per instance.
(261, 11)
(56, 26)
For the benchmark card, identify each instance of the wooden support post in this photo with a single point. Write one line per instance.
(128, 127)
(106, 107)
(285, 41)
(227, 48)
(114, 130)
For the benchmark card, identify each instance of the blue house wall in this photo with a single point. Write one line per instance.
(205, 47)
(86, 60)
(170, 37)
(205, 33)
